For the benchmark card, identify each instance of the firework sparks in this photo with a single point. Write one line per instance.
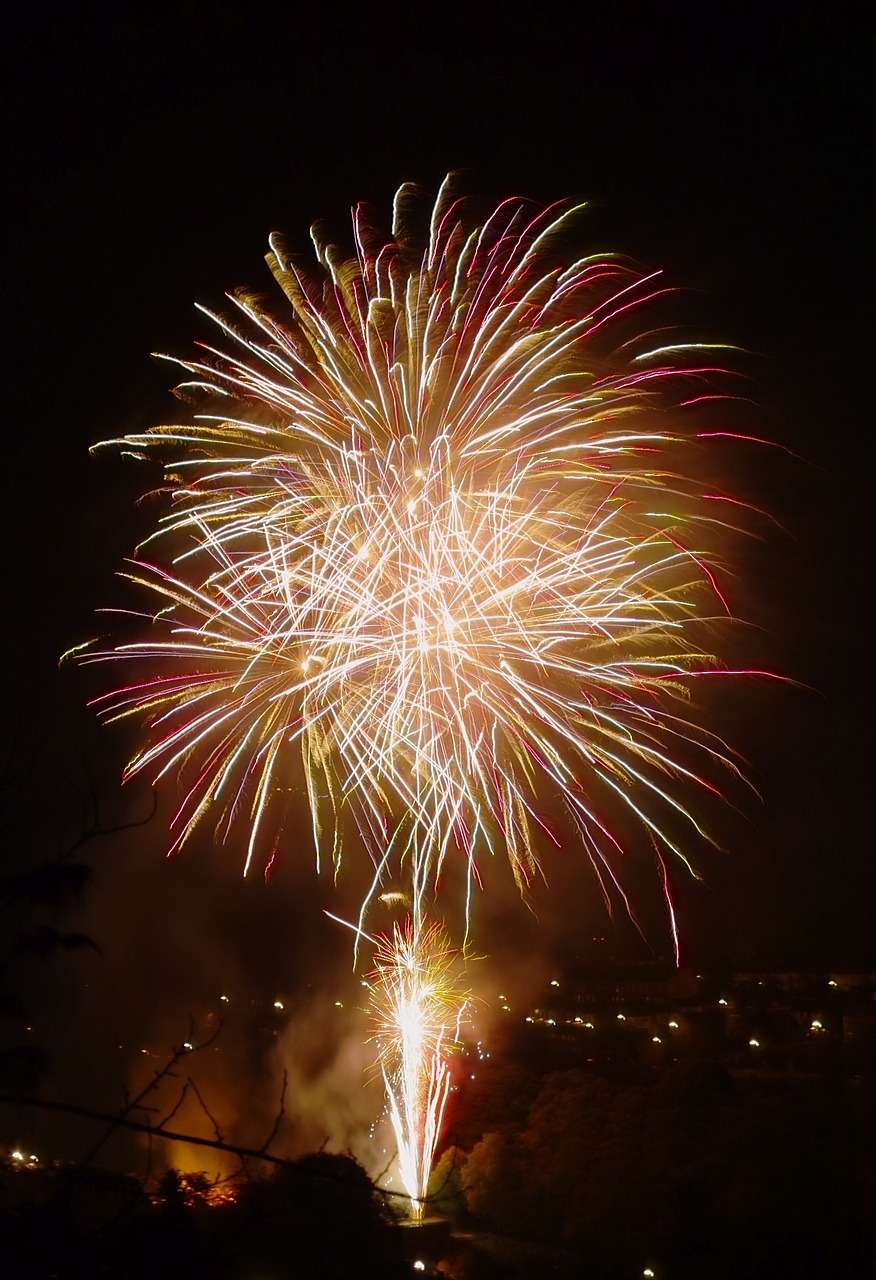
(430, 537)
(418, 1009)
(425, 558)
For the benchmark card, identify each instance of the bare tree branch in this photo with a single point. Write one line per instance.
(183, 1094)
(94, 830)
(171, 1135)
(142, 1126)
(281, 1113)
(122, 1120)
(206, 1110)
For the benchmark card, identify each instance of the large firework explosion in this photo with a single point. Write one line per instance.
(434, 552)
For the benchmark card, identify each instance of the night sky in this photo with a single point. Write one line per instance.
(148, 158)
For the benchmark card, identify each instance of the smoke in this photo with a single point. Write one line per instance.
(334, 1091)
(249, 973)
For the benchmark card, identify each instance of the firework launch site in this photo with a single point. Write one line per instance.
(740, 1095)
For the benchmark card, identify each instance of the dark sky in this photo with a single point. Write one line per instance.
(148, 158)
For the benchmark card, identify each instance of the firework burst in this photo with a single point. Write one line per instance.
(438, 554)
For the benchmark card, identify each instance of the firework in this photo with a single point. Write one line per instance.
(432, 551)
(418, 1009)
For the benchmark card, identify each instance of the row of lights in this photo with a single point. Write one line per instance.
(621, 1017)
(19, 1158)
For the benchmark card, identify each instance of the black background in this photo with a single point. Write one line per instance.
(148, 157)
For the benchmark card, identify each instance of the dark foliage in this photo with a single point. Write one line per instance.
(698, 1174)
(318, 1218)
(24, 897)
(50, 885)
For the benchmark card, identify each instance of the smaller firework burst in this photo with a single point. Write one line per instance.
(418, 1007)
